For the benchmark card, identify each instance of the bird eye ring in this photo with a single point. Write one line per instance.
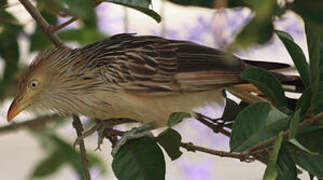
(33, 84)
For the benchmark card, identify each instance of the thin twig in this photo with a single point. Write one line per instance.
(215, 127)
(271, 140)
(79, 129)
(245, 95)
(61, 26)
(241, 157)
(41, 22)
(40, 121)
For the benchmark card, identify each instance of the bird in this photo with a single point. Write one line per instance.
(144, 78)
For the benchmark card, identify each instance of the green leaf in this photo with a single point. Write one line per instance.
(73, 157)
(309, 9)
(312, 140)
(139, 159)
(285, 165)
(83, 36)
(313, 43)
(267, 83)
(77, 8)
(304, 102)
(312, 163)
(140, 5)
(300, 146)
(256, 123)
(201, 3)
(177, 117)
(285, 35)
(9, 51)
(3, 3)
(231, 110)
(170, 140)
(298, 57)
(260, 29)
(293, 124)
(38, 40)
(271, 172)
(49, 165)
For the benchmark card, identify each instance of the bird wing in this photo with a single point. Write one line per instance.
(150, 65)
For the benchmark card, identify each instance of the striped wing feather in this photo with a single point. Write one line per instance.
(150, 65)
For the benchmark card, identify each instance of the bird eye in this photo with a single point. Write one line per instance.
(33, 84)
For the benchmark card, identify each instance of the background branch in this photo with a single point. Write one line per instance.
(45, 27)
(40, 121)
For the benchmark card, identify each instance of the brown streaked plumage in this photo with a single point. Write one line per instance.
(139, 77)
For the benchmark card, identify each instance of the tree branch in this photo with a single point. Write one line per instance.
(79, 129)
(264, 144)
(61, 26)
(217, 128)
(40, 121)
(242, 157)
(46, 28)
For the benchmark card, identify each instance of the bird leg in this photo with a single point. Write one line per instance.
(100, 128)
(134, 133)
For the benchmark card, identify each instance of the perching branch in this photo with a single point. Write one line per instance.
(79, 130)
(41, 22)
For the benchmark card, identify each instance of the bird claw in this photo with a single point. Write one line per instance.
(134, 133)
(99, 128)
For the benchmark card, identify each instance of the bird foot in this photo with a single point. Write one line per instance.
(99, 128)
(134, 133)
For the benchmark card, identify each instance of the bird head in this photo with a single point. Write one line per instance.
(38, 83)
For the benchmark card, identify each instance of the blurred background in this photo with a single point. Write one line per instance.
(23, 152)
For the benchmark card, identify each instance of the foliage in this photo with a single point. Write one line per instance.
(296, 140)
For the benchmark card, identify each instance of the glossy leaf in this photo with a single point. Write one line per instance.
(312, 140)
(267, 83)
(304, 102)
(312, 163)
(285, 165)
(231, 110)
(313, 43)
(177, 117)
(310, 9)
(293, 124)
(256, 123)
(298, 57)
(139, 159)
(170, 140)
(285, 35)
(201, 3)
(140, 5)
(271, 172)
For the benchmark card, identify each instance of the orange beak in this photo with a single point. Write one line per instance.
(15, 108)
